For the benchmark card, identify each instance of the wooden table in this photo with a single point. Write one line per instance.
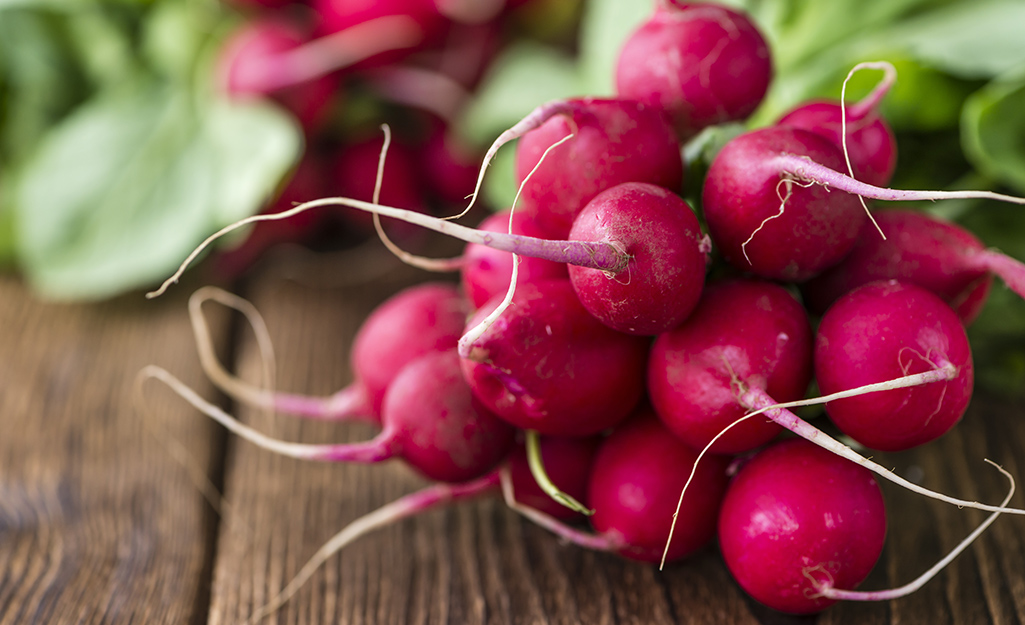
(102, 522)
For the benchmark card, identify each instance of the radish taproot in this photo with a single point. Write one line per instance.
(744, 334)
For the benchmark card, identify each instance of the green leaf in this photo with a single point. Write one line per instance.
(605, 26)
(993, 131)
(127, 186)
(978, 39)
(255, 144)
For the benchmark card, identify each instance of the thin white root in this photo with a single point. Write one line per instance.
(379, 518)
(181, 454)
(890, 76)
(421, 262)
(918, 582)
(292, 450)
(225, 381)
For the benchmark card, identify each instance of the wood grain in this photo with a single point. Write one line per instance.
(98, 522)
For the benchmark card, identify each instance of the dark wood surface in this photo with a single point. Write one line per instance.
(102, 519)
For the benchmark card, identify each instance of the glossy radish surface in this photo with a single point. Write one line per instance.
(636, 480)
(881, 331)
(614, 141)
(793, 512)
(743, 334)
(700, 62)
(547, 365)
(769, 224)
(662, 238)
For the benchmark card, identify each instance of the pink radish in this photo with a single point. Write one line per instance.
(547, 365)
(796, 514)
(924, 250)
(882, 331)
(614, 141)
(743, 334)
(777, 205)
(700, 62)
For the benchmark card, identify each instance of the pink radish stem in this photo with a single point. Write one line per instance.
(804, 169)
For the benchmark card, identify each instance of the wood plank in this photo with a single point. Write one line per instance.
(98, 522)
(477, 562)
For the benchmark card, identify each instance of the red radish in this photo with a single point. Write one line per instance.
(614, 141)
(777, 205)
(416, 321)
(885, 330)
(924, 250)
(795, 516)
(663, 280)
(768, 224)
(700, 62)
(743, 334)
(420, 18)
(547, 365)
(486, 271)
(636, 476)
(254, 62)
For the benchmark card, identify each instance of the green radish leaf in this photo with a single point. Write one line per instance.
(130, 183)
(993, 131)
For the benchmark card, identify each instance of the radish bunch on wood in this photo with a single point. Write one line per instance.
(612, 336)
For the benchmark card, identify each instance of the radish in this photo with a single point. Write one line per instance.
(636, 474)
(700, 62)
(486, 272)
(744, 334)
(777, 205)
(416, 321)
(613, 141)
(924, 250)
(900, 329)
(795, 514)
(547, 365)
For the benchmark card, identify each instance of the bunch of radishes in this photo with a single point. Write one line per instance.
(616, 373)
